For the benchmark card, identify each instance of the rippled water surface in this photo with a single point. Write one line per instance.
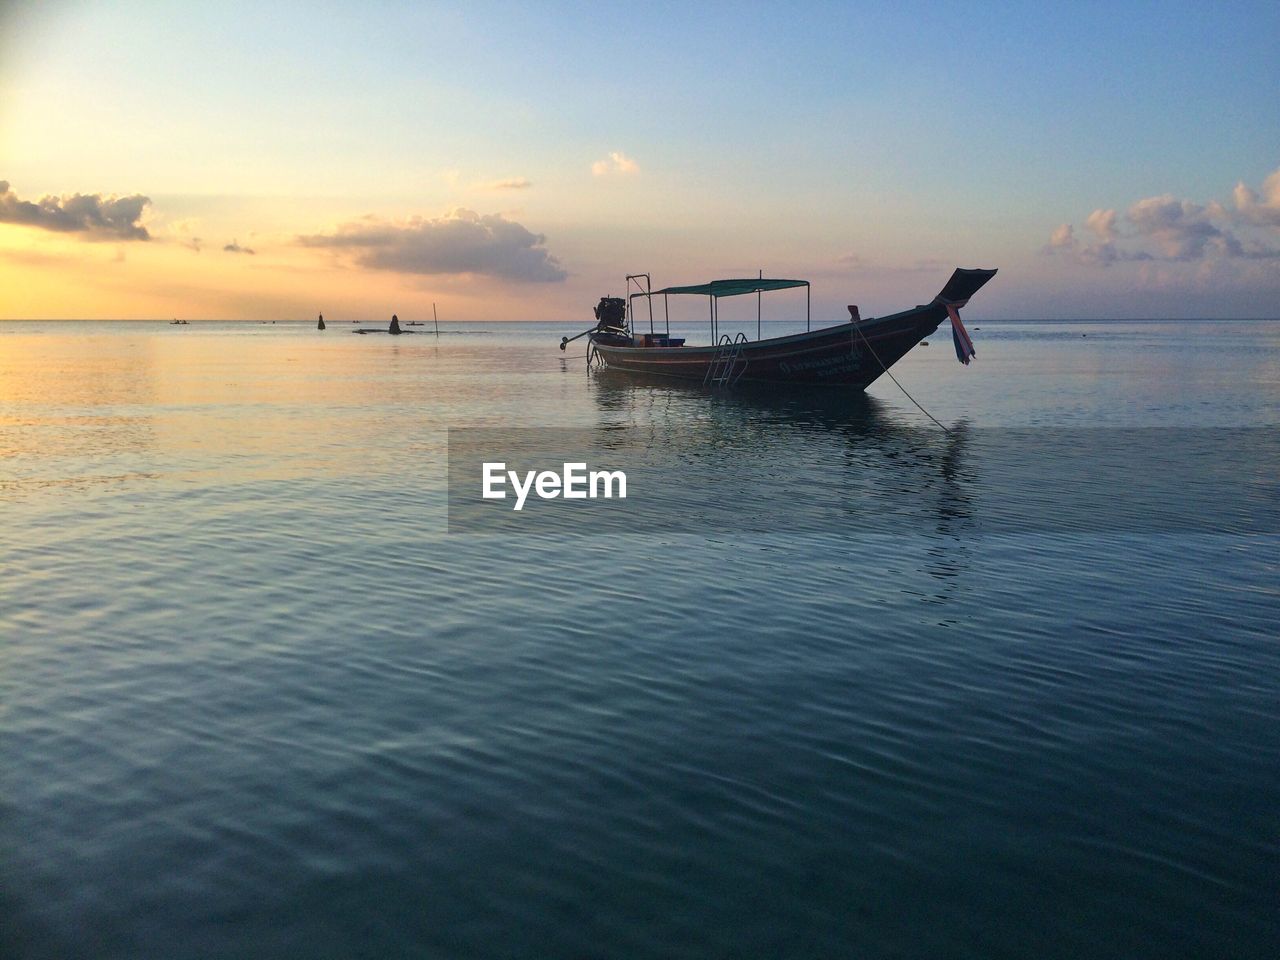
(256, 700)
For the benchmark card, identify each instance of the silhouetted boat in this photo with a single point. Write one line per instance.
(853, 353)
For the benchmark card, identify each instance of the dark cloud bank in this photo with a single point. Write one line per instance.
(94, 215)
(463, 242)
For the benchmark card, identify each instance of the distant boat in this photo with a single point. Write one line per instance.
(854, 353)
(176, 322)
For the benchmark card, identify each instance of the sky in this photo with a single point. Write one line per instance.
(511, 161)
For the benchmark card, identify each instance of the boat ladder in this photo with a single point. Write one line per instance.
(724, 370)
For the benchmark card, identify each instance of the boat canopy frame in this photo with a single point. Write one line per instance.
(713, 291)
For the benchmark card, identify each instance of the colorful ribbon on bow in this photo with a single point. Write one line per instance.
(959, 335)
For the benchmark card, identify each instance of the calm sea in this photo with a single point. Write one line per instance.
(855, 688)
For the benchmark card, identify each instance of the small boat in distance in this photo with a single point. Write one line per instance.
(853, 353)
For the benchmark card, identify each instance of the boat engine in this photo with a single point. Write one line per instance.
(611, 312)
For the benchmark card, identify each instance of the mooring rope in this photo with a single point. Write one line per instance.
(858, 327)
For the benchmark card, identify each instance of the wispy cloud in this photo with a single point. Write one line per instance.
(921, 264)
(510, 183)
(96, 216)
(463, 242)
(234, 247)
(617, 163)
(1165, 228)
(182, 232)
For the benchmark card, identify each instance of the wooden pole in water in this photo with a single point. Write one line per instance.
(436, 318)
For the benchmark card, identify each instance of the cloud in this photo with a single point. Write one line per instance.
(1106, 253)
(510, 183)
(1103, 253)
(842, 266)
(1103, 224)
(1263, 210)
(183, 232)
(234, 247)
(1180, 229)
(462, 242)
(96, 216)
(1062, 238)
(1164, 228)
(617, 163)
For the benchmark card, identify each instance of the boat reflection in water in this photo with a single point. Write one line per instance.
(822, 464)
(829, 462)
(813, 461)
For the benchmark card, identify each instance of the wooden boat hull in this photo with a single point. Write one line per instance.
(848, 354)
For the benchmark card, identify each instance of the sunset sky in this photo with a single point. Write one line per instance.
(514, 161)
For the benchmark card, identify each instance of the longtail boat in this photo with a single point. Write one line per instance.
(851, 353)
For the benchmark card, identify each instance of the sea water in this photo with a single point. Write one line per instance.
(851, 686)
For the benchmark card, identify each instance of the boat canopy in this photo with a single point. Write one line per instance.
(731, 288)
(713, 291)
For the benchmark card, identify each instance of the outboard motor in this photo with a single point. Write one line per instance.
(611, 312)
